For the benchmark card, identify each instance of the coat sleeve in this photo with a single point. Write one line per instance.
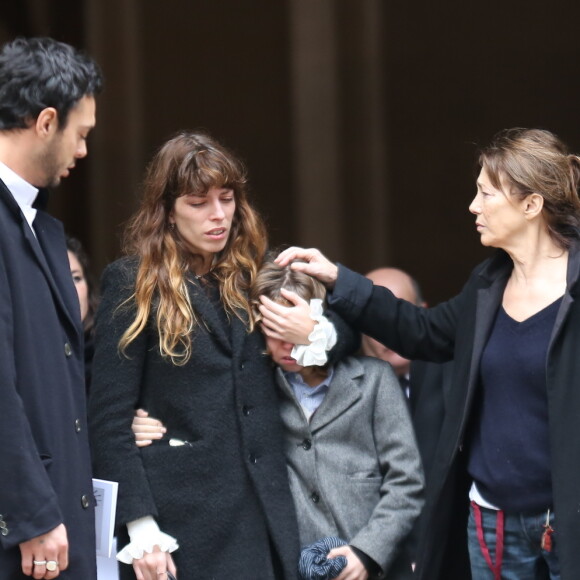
(347, 338)
(412, 331)
(115, 393)
(28, 503)
(401, 492)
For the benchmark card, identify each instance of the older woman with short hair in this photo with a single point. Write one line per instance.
(511, 428)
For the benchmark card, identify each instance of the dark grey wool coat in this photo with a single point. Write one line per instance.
(224, 495)
(45, 473)
(460, 328)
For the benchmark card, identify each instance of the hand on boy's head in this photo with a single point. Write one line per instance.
(146, 428)
(315, 264)
(288, 323)
(355, 569)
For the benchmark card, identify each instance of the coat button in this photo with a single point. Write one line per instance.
(78, 425)
(252, 459)
(315, 497)
(85, 502)
(67, 349)
(246, 410)
(242, 366)
(306, 444)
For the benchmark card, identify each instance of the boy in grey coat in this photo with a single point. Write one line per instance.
(353, 463)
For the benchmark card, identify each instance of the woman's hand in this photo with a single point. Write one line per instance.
(355, 569)
(154, 565)
(314, 264)
(288, 323)
(146, 428)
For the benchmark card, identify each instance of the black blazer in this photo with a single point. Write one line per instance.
(459, 329)
(44, 453)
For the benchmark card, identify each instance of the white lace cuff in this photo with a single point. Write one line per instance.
(322, 339)
(145, 534)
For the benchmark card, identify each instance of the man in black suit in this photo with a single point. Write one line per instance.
(402, 286)
(47, 109)
(426, 384)
(422, 381)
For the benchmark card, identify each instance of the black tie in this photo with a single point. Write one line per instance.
(405, 384)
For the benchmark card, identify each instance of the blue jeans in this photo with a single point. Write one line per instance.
(523, 556)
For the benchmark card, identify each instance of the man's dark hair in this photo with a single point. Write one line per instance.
(36, 73)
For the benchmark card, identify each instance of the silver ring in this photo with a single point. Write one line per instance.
(39, 562)
(51, 565)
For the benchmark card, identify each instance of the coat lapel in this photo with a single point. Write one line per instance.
(50, 253)
(344, 391)
(208, 315)
(488, 302)
(572, 290)
(239, 332)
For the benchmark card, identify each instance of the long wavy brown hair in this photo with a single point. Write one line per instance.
(190, 162)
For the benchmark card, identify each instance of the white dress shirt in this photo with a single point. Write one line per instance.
(24, 193)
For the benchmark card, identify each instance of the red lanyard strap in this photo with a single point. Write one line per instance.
(495, 568)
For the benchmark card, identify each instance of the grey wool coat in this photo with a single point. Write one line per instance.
(354, 469)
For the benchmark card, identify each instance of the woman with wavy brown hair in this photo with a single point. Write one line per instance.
(176, 336)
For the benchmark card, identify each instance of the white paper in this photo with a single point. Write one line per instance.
(105, 493)
(108, 568)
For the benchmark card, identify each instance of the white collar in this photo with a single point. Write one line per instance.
(23, 192)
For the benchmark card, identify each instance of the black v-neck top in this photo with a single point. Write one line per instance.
(510, 453)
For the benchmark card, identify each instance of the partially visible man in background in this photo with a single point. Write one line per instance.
(402, 285)
(426, 385)
(47, 109)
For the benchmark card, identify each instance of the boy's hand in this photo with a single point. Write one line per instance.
(355, 569)
(146, 428)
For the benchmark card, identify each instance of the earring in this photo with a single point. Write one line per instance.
(172, 227)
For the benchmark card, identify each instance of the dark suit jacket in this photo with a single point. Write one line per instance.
(429, 388)
(44, 453)
(459, 329)
(430, 397)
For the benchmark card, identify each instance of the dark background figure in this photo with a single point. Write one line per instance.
(427, 385)
(88, 294)
(402, 285)
(47, 109)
